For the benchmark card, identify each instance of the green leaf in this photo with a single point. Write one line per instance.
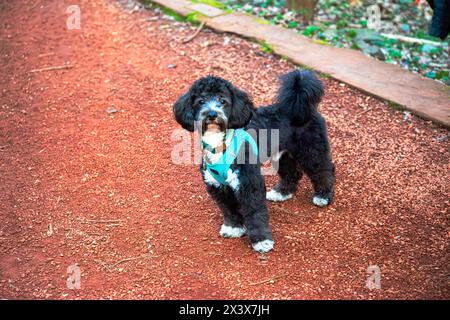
(311, 30)
(341, 24)
(352, 33)
(393, 53)
(292, 24)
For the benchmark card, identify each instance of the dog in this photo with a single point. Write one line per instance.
(215, 107)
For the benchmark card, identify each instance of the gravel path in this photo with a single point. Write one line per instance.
(79, 185)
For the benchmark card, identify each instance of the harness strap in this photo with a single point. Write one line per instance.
(233, 142)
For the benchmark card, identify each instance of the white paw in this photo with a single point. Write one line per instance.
(320, 202)
(232, 232)
(263, 246)
(274, 195)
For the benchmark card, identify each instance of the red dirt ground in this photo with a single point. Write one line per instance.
(67, 168)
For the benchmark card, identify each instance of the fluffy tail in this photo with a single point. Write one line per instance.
(300, 93)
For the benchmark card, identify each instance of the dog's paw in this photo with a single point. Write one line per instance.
(274, 195)
(321, 202)
(232, 232)
(263, 246)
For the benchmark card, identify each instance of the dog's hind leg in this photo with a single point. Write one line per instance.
(290, 174)
(323, 184)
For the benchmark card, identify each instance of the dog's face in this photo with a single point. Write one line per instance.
(215, 104)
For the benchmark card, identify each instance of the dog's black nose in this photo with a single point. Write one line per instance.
(211, 114)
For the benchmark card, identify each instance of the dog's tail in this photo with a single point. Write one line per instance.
(299, 94)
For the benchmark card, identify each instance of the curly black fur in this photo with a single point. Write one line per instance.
(239, 111)
(303, 140)
(303, 134)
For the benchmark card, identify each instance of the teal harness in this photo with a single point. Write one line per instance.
(233, 143)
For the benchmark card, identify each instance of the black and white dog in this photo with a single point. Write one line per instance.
(215, 107)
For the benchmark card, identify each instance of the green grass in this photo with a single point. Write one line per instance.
(395, 106)
(423, 34)
(305, 67)
(194, 17)
(212, 3)
(266, 48)
(311, 30)
(322, 42)
(261, 20)
(325, 75)
(178, 17)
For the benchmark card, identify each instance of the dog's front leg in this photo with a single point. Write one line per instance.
(256, 221)
(253, 208)
(233, 223)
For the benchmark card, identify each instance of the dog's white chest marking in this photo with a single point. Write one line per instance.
(212, 138)
(212, 157)
(232, 179)
(209, 179)
(216, 139)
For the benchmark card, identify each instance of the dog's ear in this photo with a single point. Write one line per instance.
(183, 111)
(241, 110)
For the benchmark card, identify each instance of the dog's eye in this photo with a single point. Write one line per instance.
(222, 101)
(201, 101)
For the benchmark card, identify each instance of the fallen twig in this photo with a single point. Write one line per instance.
(413, 40)
(190, 38)
(46, 54)
(268, 279)
(284, 210)
(362, 112)
(66, 66)
(103, 221)
(104, 265)
(113, 225)
(214, 254)
(128, 259)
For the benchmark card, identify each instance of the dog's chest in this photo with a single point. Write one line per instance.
(232, 176)
(232, 179)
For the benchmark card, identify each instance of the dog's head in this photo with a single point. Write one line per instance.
(215, 104)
